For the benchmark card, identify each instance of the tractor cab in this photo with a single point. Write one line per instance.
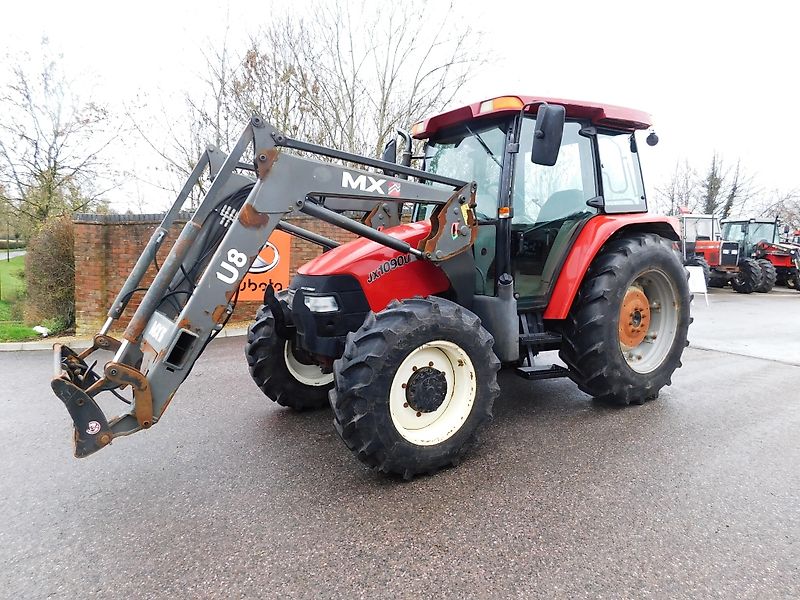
(703, 244)
(750, 232)
(530, 213)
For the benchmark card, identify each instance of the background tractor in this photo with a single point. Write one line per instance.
(529, 233)
(722, 261)
(759, 239)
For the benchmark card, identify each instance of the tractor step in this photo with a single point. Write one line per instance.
(541, 372)
(544, 338)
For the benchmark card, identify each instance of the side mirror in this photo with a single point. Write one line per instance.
(389, 153)
(548, 133)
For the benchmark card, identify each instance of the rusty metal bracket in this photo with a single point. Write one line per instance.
(454, 226)
(123, 375)
(385, 214)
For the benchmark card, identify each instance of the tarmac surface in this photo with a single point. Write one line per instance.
(695, 495)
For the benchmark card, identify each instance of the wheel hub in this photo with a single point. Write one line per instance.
(634, 317)
(426, 390)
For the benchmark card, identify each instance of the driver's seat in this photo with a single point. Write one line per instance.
(554, 226)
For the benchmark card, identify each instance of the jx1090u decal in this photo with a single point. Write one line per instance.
(389, 265)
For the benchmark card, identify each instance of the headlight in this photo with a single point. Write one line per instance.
(321, 304)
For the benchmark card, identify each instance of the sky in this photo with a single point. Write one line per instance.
(716, 76)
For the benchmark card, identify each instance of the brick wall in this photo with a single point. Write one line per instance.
(107, 247)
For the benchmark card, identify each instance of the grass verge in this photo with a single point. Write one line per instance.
(12, 287)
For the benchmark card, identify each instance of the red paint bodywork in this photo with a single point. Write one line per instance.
(617, 117)
(710, 251)
(591, 238)
(780, 260)
(361, 257)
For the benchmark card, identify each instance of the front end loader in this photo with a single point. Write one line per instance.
(529, 233)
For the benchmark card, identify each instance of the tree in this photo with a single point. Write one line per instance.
(785, 205)
(344, 75)
(721, 192)
(50, 144)
(681, 191)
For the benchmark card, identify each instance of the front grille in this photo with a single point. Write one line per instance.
(730, 254)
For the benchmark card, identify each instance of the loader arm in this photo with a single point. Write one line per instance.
(201, 276)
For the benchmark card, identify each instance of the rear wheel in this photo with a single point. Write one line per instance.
(769, 276)
(627, 327)
(282, 371)
(415, 385)
(749, 277)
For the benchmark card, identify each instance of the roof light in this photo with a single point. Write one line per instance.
(418, 128)
(501, 103)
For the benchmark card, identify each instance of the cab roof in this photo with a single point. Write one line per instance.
(607, 115)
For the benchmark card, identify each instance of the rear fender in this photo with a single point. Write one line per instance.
(590, 240)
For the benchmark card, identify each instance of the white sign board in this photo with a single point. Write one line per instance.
(697, 282)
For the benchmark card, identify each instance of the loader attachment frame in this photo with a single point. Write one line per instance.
(163, 339)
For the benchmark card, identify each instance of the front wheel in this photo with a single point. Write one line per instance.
(414, 387)
(749, 277)
(627, 327)
(768, 276)
(281, 370)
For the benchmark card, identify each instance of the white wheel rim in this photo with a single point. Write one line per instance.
(430, 428)
(662, 296)
(306, 374)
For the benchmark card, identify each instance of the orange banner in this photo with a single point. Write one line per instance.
(271, 267)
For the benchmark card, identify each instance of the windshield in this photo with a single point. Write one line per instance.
(761, 231)
(473, 153)
(755, 232)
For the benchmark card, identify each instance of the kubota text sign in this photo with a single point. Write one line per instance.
(271, 267)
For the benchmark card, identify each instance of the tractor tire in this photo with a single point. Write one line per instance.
(699, 261)
(627, 328)
(749, 277)
(280, 371)
(769, 275)
(414, 387)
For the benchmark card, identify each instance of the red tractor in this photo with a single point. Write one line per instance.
(722, 261)
(530, 233)
(759, 240)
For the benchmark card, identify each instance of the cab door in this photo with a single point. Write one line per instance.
(548, 208)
